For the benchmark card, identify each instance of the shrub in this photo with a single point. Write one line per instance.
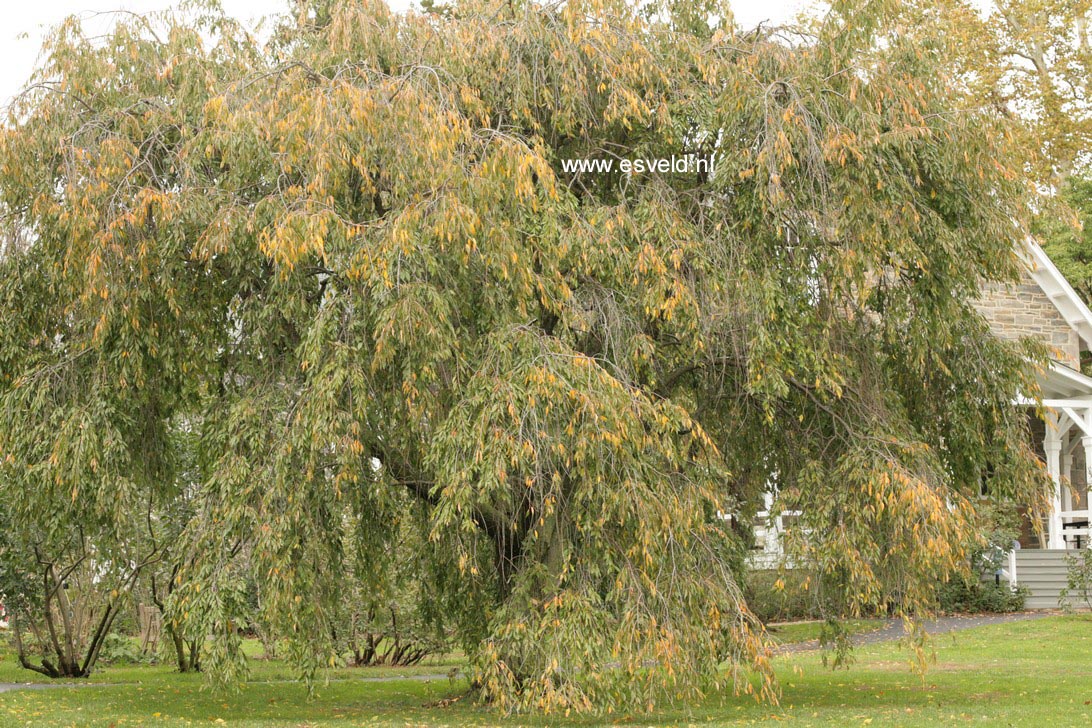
(120, 649)
(978, 590)
(974, 596)
(1078, 580)
(394, 619)
(782, 596)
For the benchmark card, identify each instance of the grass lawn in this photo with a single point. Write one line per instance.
(1022, 673)
(260, 671)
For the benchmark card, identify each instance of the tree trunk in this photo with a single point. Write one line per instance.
(180, 656)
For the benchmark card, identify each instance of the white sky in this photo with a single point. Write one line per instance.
(25, 22)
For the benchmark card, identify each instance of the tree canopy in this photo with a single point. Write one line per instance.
(351, 259)
(1038, 64)
(1068, 238)
(1033, 59)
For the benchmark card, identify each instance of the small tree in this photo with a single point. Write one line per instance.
(62, 597)
(1069, 241)
(187, 648)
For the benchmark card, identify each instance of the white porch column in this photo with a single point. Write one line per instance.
(1086, 441)
(1052, 446)
(773, 532)
(1068, 443)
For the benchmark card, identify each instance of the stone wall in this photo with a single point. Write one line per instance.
(1023, 309)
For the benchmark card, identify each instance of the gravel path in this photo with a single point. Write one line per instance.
(942, 625)
(8, 687)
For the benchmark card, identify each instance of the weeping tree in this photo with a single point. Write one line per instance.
(360, 256)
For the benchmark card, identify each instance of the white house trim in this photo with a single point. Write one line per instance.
(1067, 399)
(1060, 382)
(1058, 290)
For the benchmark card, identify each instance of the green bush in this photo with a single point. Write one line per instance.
(972, 596)
(782, 596)
(796, 598)
(1078, 581)
(978, 591)
(119, 649)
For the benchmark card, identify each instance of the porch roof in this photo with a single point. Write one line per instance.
(1059, 382)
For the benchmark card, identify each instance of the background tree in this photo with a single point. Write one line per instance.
(392, 613)
(1048, 48)
(64, 587)
(355, 258)
(167, 524)
(1068, 239)
(95, 356)
(1032, 59)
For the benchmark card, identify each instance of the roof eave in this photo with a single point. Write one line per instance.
(1070, 305)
